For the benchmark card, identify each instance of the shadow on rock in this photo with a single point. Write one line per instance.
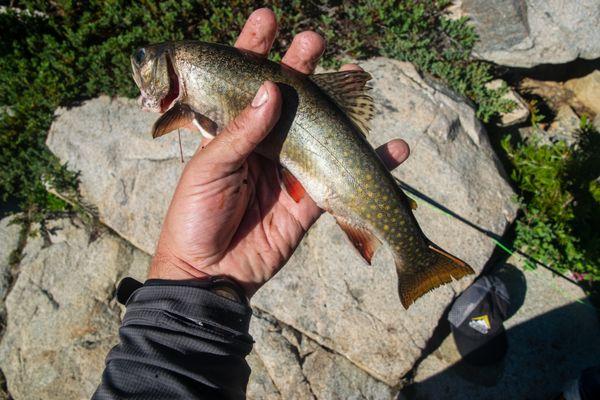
(544, 353)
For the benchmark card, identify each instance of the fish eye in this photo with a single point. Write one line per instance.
(139, 56)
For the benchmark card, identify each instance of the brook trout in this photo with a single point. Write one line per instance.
(319, 141)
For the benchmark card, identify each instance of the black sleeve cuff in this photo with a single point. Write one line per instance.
(189, 299)
(178, 339)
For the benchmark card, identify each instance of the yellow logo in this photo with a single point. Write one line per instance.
(481, 324)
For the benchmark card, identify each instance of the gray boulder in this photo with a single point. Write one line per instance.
(526, 33)
(326, 292)
(9, 240)
(125, 174)
(62, 318)
(332, 376)
(280, 359)
(288, 365)
(552, 337)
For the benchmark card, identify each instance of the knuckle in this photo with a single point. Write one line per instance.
(310, 36)
(238, 124)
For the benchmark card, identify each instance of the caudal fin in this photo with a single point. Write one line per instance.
(434, 270)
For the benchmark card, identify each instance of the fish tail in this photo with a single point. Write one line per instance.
(436, 268)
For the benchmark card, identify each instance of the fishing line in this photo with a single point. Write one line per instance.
(180, 147)
(421, 198)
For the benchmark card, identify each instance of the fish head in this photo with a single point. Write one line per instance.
(155, 75)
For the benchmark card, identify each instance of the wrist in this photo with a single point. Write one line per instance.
(169, 267)
(166, 268)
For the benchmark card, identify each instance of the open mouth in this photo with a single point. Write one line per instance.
(167, 102)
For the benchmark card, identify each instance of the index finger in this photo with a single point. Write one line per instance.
(259, 32)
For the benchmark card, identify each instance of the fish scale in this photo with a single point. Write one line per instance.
(319, 141)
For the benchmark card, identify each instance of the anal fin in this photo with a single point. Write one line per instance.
(180, 116)
(363, 240)
(431, 270)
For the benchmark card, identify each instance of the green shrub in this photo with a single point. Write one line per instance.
(58, 53)
(560, 200)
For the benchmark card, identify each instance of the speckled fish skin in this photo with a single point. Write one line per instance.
(318, 143)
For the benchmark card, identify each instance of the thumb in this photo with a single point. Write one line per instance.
(241, 136)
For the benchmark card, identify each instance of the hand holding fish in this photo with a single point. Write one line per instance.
(229, 215)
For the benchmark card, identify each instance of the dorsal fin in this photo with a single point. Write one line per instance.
(348, 90)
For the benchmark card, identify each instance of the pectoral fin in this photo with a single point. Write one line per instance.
(182, 115)
(208, 128)
(365, 242)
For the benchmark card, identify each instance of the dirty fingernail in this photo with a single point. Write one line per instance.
(261, 97)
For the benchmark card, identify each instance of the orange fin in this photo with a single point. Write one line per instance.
(180, 116)
(365, 242)
(292, 185)
(435, 268)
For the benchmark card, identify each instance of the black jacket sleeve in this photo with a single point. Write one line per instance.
(179, 340)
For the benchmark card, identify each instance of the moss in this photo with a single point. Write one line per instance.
(559, 197)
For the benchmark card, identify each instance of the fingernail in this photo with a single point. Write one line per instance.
(261, 97)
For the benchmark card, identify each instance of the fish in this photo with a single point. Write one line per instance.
(320, 142)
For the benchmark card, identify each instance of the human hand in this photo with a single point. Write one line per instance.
(229, 215)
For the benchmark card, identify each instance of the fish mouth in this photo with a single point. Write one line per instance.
(174, 88)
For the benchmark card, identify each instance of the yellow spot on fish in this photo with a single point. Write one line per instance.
(386, 228)
(373, 206)
(379, 215)
(385, 198)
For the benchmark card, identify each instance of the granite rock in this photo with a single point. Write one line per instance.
(332, 376)
(62, 318)
(286, 364)
(9, 240)
(125, 175)
(280, 359)
(526, 33)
